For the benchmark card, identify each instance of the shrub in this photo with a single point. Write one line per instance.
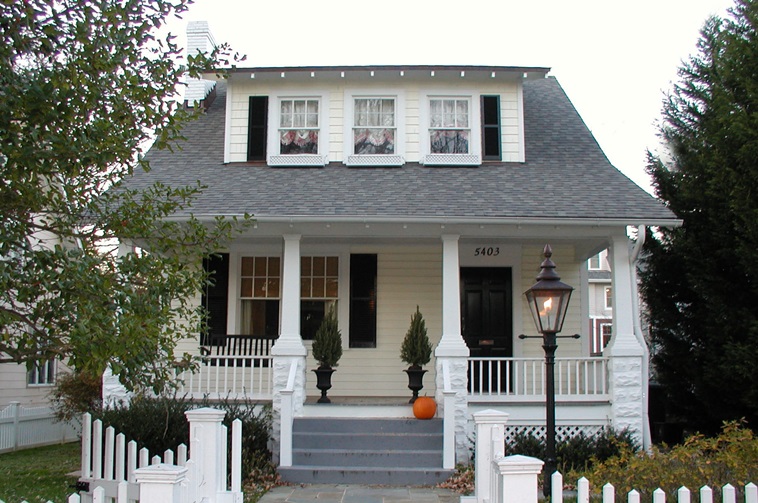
(416, 349)
(731, 457)
(327, 343)
(74, 394)
(579, 452)
(159, 424)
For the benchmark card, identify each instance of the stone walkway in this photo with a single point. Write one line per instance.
(339, 493)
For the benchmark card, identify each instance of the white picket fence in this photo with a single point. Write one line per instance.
(24, 427)
(115, 471)
(514, 479)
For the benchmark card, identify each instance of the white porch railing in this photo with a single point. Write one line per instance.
(235, 377)
(523, 379)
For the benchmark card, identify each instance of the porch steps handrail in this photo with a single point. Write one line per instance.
(523, 379)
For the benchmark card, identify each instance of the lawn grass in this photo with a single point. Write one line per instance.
(39, 475)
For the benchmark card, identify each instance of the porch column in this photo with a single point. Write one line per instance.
(625, 351)
(451, 354)
(288, 348)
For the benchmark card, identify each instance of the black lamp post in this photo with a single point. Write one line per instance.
(548, 300)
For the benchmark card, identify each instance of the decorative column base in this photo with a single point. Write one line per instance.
(457, 367)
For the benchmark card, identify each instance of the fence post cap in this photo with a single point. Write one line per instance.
(160, 473)
(520, 464)
(205, 414)
(490, 416)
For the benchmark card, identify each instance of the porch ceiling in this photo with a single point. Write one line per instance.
(587, 238)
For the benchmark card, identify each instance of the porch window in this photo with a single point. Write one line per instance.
(260, 293)
(319, 289)
(42, 373)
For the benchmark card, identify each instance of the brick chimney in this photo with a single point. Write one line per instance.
(199, 40)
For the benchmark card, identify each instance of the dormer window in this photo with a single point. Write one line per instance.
(299, 134)
(374, 130)
(449, 138)
(449, 126)
(298, 127)
(374, 136)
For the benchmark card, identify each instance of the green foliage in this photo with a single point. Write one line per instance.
(159, 424)
(327, 343)
(700, 281)
(579, 452)
(39, 475)
(85, 87)
(416, 349)
(729, 458)
(76, 393)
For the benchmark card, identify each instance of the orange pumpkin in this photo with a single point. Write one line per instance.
(424, 407)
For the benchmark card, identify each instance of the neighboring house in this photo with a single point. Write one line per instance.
(379, 188)
(30, 387)
(600, 297)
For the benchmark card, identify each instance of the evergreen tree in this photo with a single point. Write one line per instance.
(700, 281)
(85, 87)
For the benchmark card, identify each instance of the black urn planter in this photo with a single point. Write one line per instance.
(324, 382)
(415, 380)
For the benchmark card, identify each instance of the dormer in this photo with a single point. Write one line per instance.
(376, 116)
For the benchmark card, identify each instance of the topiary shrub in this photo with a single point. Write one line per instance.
(327, 343)
(416, 349)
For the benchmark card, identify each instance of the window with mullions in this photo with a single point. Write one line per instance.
(374, 128)
(42, 373)
(319, 289)
(449, 126)
(298, 126)
(260, 286)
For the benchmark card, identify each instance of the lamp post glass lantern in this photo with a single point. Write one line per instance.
(548, 301)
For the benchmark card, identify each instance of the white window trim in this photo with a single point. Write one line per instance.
(396, 159)
(474, 157)
(606, 297)
(46, 364)
(599, 267)
(273, 158)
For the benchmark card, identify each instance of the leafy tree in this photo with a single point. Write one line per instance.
(85, 86)
(700, 281)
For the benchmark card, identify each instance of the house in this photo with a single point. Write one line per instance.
(600, 294)
(376, 189)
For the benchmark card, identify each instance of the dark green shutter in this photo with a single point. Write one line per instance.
(491, 128)
(363, 300)
(256, 128)
(216, 296)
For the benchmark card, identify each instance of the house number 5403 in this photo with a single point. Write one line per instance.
(487, 251)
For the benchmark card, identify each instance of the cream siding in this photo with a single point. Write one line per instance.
(14, 387)
(406, 277)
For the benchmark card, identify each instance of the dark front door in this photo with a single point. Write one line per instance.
(487, 322)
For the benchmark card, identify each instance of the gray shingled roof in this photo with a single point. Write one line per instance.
(565, 175)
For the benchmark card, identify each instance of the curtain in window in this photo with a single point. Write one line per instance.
(298, 133)
(374, 121)
(449, 124)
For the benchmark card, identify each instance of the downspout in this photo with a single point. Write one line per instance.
(646, 436)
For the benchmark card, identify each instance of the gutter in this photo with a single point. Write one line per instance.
(571, 221)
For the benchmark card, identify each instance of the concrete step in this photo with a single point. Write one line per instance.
(367, 441)
(306, 474)
(372, 425)
(397, 451)
(372, 458)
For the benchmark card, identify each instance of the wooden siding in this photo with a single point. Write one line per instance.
(510, 110)
(569, 270)
(406, 277)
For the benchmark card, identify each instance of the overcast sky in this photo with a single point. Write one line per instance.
(614, 58)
